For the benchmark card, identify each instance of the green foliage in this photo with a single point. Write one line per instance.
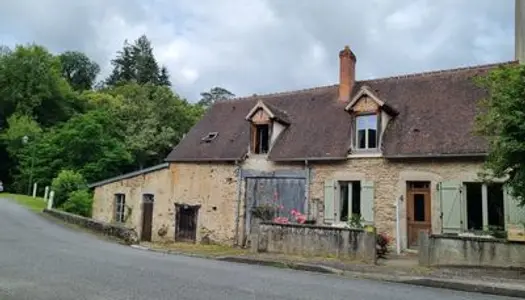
(19, 126)
(215, 94)
(65, 183)
(502, 121)
(79, 70)
(96, 132)
(136, 63)
(31, 84)
(79, 202)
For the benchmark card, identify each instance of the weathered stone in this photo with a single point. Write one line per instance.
(128, 235)
(310, 240)
(469, 251)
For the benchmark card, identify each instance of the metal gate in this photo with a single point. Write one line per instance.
(286, 191)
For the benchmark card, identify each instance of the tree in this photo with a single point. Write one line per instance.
(31, 84)
(91, 144)
(215, 94)
(502, 121)
(136, 63)
(155, 120)
(164, 78)
(66, 182)
(79, 70)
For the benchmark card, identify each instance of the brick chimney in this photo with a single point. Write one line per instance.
(347, 62)
(520, 31)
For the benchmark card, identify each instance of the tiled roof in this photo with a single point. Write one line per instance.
(436, 113)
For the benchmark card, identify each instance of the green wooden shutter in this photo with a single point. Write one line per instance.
(451, 206)
(514, 214)
(329, 201)
(367, 202)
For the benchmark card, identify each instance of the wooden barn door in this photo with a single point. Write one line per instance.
(186, 222)
(147, 217)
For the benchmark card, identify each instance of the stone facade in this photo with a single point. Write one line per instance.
(213, 186)
(156, 183)
(216, 188)
(390, 178)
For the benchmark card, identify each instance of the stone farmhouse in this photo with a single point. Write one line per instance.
(398, 151)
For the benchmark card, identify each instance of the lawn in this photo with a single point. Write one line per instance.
(34, 204)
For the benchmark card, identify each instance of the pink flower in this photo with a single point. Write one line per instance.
(280, 220)
(281, 207)
(294, 212)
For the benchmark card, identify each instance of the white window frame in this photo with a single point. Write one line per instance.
(120, 208)
(366, 132)
(350, 199)
(484, 206)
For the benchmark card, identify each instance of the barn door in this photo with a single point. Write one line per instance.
(147, 217)
(186, 222)
(282, 191)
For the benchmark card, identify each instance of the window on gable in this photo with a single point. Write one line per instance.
(120, 208)
(366, 132)
(261, 138)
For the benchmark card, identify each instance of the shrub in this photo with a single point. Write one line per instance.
(79, 203)
(67, 181)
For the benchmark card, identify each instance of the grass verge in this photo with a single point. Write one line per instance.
(35, 204)
(197, 249)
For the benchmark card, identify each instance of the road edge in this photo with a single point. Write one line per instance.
(417, 281)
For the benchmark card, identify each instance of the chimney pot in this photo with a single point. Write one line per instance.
(347, 61)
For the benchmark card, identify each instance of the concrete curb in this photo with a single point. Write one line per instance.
(466, 287)
(418, 281)
(281, 264)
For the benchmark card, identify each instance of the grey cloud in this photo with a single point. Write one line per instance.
(262, 46)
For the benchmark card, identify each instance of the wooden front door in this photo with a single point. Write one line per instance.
(147, 217)
(418, 211)
(186, 222)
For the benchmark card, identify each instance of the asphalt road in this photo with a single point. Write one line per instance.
(42, 260)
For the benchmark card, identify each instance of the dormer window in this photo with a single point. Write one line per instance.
(366, 132)
(267, 123)
(370, 116)
(261, 138)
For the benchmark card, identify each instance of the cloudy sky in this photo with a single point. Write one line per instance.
(261, 46)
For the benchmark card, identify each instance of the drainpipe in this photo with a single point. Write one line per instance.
(307, 187)
(398, 225)
(238, 213)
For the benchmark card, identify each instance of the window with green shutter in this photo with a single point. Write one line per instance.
(367, 202)
(515, 215)
(329, 201)
(451, 206)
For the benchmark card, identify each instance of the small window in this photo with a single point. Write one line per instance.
(349, 200)
(148, 198)
(261, 140)
(366, 132)
(210, 137)
(120, 208)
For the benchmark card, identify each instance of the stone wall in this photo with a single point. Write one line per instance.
(309, 240)
(390, 177)
(156, 183)
(440, 250)
(127, 235)
(214, 187)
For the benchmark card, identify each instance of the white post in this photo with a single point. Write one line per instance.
(35, 186)
(398, 226)
(50, 201)
(46, 193)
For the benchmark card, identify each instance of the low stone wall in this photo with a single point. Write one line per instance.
(127, 235)
(443, 250)
(311, 240)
